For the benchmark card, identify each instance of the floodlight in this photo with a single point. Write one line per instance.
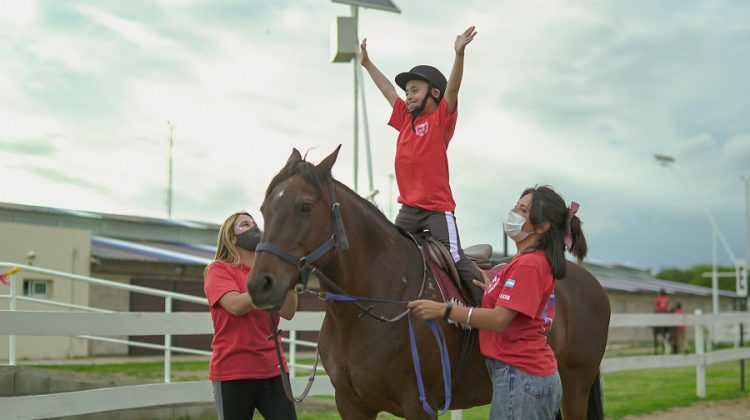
(384, 5)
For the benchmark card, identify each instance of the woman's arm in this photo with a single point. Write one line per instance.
(236, 303)
(494, 319)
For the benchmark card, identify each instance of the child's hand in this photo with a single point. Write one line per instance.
(364, 59)
(464, 39)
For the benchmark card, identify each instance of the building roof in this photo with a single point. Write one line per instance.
(149, 251)
(653, 286)
(112, 225)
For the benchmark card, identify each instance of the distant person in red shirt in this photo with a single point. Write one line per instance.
(680, 330)
(425, 122)
(519, 306)
(661, 303)
(244, 367)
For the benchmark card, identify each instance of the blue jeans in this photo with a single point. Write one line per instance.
(519, 396)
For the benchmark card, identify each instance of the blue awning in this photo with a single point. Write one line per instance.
(118, 249)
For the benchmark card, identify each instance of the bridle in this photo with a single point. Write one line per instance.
(338, 239)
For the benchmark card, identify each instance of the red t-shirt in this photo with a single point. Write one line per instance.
(680, 311)
(421, 158)
(240, 344)
(661, 303)
(526, 286)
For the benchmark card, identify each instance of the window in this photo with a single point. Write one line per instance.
(37, 288)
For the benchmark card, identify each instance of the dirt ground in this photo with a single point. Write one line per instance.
(704, 410)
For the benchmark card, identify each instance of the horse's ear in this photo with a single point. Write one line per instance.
(293, 158)
(324, 167)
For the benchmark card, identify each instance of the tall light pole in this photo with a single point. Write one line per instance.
(169, 182)
(345, 39)
(668, 162)
(747, 239)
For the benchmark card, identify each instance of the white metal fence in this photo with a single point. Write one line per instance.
(98, 324)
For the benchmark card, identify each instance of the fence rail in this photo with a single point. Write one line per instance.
(15, 322)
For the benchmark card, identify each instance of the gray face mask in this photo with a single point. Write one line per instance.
(512, 225)
(249, 239)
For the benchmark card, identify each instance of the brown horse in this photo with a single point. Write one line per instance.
(316, 226)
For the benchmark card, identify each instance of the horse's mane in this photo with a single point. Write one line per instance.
(306, 170)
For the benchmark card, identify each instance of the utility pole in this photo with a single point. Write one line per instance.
(716, 233)
(345, 48)
(169, 182)
(747, 222)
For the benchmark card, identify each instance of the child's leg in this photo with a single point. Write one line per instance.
(442, 226)
(410, 220)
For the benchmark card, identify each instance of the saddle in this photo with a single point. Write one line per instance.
(444, 271)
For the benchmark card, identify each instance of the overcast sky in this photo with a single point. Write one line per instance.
(575, 94)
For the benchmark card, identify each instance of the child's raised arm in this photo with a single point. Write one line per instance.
(454, 81)
(385, 86)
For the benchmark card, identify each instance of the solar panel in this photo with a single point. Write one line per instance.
(385, 5)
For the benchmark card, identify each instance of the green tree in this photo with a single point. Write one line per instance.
(694, 275)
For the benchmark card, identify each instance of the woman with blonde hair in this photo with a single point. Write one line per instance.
(244, 368)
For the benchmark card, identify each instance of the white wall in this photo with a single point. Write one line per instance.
(53, 248)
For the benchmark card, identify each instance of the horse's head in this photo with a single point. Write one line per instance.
(299, 228)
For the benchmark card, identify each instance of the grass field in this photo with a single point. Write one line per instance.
(626, 393)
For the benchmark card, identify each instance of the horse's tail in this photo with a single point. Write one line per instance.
(596, 400)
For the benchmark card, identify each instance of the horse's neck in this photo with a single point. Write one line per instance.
(380, 262)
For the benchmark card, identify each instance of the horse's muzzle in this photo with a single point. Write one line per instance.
(264, 292)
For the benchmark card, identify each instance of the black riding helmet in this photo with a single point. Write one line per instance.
(429, 74)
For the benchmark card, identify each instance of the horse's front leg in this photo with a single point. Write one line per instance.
(350, 410)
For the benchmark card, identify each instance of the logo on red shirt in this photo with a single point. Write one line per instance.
(421, 128)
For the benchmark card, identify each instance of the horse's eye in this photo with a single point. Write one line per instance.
(306, 207)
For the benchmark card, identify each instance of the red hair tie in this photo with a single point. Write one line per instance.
(572, 210)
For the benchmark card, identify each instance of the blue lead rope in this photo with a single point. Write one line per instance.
(342, 297)
(439, 339)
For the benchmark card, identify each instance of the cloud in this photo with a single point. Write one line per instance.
(579, 95)
(58, 177)
(37, 147)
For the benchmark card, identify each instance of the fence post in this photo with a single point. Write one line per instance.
(12, 307)
(168, 344)
(700, 367)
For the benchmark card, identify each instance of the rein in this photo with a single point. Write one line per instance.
(285, 382)
(304, 266)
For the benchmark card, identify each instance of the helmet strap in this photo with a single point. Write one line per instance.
(418, 110)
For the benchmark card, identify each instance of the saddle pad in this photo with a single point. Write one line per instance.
(448, 289)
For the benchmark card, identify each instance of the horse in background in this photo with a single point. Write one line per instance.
(316, 226)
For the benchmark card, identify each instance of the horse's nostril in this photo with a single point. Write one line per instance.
(266, 283)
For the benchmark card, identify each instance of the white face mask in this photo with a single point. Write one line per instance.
(512, 225)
